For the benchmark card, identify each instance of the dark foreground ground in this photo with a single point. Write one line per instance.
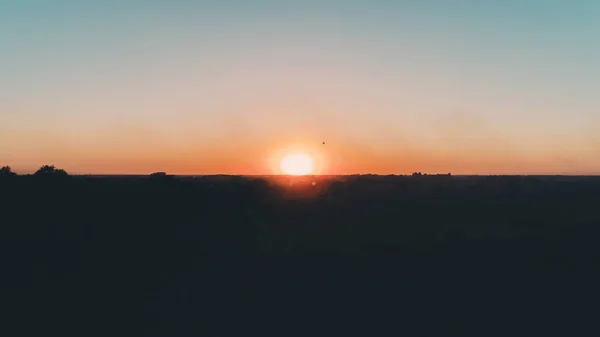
(364, 255)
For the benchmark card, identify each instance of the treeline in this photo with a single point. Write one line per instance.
(6, 171)
(46, 170)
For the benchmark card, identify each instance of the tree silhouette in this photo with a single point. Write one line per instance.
(6, 171)
(52, 171)
(161, 177)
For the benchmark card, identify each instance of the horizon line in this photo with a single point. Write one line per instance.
(324, 175)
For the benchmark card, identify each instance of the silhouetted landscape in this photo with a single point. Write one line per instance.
(413, 168)
(164, 255)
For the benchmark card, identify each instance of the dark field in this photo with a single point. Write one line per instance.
(352, 255)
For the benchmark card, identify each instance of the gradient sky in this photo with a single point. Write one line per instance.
(201, 87)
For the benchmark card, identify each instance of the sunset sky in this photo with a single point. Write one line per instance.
(202, 87)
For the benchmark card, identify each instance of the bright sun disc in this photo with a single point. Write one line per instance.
(296, 164)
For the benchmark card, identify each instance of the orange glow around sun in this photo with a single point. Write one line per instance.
(296, 164)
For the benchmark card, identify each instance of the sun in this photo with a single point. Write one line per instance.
(296, 164)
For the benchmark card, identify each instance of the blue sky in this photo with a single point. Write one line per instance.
(410, 83)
